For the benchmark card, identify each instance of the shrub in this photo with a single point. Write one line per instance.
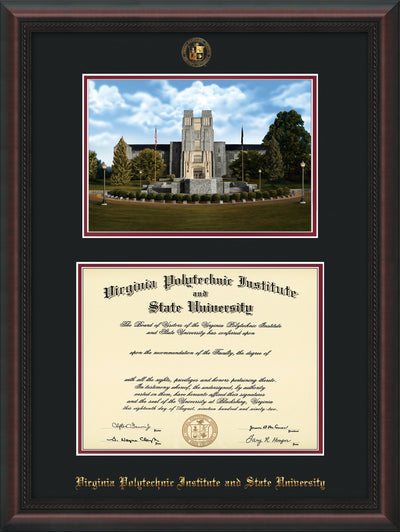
(118, 192)
(286, 191)
(252, 195)
(266, 194)
(279, 191)
(131, 195)
(235, 196)
(143, 195)
(195, 197)
(178, 197)
(216, 198)
(138, 194)
(225, 197)
(206, 197)
(160, 196)
(152, 195)
(273, 193)
(168, 196)
(244, 195)
(187, 197)
(259, 194)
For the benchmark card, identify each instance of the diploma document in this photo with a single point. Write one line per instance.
(200, 358)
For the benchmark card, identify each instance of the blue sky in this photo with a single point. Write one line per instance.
(132, 108)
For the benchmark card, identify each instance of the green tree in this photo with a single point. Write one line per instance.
(121, 168)
(294, 141)
(252, 162)
(144, 162)
(93, 165)
(275, 170)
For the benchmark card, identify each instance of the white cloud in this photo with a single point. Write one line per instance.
(99, 123)
(254, 129)
(229, 104)
(295, 95)
(106, 98)
(103, 144)
(148, 110)
(200, 96)
(307, 122)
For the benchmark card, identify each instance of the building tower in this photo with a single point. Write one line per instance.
(197, 156)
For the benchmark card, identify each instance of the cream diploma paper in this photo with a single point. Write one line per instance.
(185, 358)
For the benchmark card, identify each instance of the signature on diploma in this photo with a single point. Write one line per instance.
(148, 438)
(132, 425)
(266, 434)
(139, 439)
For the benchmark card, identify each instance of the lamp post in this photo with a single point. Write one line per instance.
(302, 201)
(104, 183)
(259, 179)
(140, 180)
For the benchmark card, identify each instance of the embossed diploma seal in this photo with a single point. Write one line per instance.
(200, 430)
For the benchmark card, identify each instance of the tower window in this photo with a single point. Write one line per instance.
(197, 123)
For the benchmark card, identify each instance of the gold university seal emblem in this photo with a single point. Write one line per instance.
(196, 52)
(200, 430)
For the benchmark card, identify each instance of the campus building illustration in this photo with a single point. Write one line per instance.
(197, 157)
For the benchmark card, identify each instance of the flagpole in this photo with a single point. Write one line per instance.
(242, 157)
(155, 152)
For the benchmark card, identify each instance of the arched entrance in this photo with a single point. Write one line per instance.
(197, 173)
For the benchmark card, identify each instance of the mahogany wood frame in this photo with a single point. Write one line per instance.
(381, 21)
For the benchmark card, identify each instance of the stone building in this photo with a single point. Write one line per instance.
(197, 155)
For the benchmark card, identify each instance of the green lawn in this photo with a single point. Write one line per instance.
(275, 215)
(132, 187)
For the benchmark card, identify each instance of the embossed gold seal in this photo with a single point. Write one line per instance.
(196, 52)
(200, 430)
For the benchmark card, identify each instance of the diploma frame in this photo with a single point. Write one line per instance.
(380, 21)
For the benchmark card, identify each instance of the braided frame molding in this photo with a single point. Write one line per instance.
(29, 27)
